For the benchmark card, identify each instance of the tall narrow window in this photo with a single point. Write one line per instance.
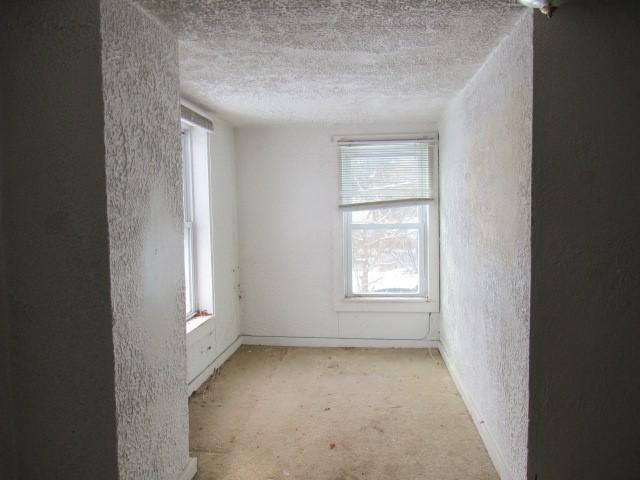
(198, 212)
(189, 225)
(387, 196)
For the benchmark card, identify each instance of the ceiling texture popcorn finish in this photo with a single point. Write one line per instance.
(331, 61)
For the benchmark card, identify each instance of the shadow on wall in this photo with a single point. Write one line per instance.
(585, 359)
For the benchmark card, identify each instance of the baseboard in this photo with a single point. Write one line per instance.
(491, 445)
(217, 362)
(190, 470)
(302, 342)
(336, 342)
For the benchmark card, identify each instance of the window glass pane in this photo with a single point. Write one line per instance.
(385, 261)
(188, 270)
(387, 216)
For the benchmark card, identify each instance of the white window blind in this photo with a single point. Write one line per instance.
(385, 172)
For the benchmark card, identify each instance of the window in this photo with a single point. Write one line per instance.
(198, 247)
(389, 217)
(189, 226)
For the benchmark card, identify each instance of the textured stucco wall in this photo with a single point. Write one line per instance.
(144, 191)
(56, 241)
(485, 171)
(290, 237)
(585, 307)
(93, 255)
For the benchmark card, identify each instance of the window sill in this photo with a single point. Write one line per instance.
(387, 304)
(196, 322)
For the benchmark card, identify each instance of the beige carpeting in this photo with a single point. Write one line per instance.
(334, 414)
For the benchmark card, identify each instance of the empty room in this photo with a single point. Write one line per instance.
(319, 240)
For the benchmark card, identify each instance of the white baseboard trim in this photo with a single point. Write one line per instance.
(190, 470)
(496, 455)
(336, 342)
(302, 342)
(219, 360)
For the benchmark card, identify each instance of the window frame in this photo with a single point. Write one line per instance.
(428, 303)
(190, 264)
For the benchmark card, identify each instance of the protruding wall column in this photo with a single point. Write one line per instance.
(585, 332)
(91, 199)
(144, 191)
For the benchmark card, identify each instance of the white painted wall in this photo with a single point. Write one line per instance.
(485, 171)
(290, 243)
(224, 233)
(215, 340)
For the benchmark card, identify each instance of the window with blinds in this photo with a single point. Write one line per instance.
(384, 173)
(389, 210)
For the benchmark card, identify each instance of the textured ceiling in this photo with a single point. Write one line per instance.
(331, 61)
